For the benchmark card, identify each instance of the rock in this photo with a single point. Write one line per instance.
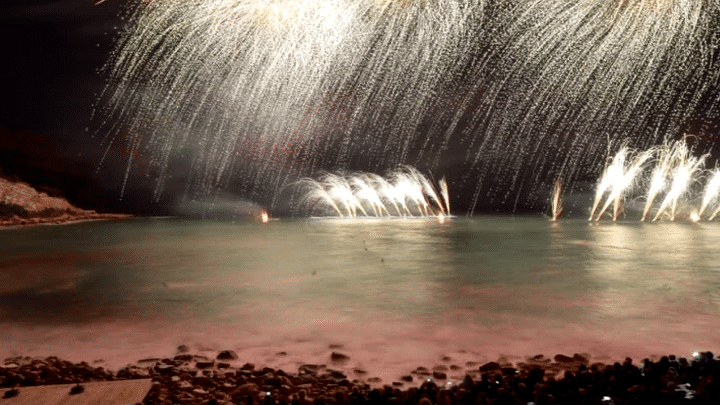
(440, 368)
(273, 382)
(308, 369)
(223, 365)
(246, 389)
(336, 374)
(204, 364)
(199, 391)
(407, 378)
(561, 358)
(439, 375)
(281, 354)
(227, 355)
(183, 357)
(510, 371)
(359, 371)
(248, 366)
(454, 367)
(467, 382)
(183, 349)
(490, 366)
(397, 384)
(580, 358)
(445, 358)
(374, 379)
(471, 363)
(339, 357)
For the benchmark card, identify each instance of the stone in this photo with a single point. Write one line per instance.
(439, 375)
(374, 379)
(581, 358)
(561, 358)
(227, 355)
(183, 349)
(165, 369)
(183, 357)
(204, 364)
(407, 378)
(336, 374)
(338, 357)
(308, 369)
(245, 389)
(445, 358)
(359, 371)
(454, 367)
(440, 368)
(490, 366)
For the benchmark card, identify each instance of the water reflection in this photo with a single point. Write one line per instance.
(487, 282)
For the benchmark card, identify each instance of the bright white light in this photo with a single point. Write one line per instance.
(406, 193)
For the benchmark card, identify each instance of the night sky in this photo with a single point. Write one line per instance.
(52, 52)
(51, 77)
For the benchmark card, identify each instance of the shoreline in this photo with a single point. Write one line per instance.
(16, 222)
(225, 378)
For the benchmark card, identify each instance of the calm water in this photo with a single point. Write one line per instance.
(394, 294)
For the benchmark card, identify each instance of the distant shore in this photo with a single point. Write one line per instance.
(22, 205)
(15, 221)
(226, 379)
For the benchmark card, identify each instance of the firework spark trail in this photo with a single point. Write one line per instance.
(263, 92)
(660, 173)
(556, 203)
(684, 168)
(445, 194)
(359, 190)
(270, 85)
(711, 191)
(622, 178)
(571, 73)
(612, 172)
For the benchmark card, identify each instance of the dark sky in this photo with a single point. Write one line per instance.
(52, 52)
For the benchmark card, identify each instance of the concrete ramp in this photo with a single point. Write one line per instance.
(124, 392)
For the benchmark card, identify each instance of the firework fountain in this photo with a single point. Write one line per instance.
(677, 173)
(405, 192)
(256, 94)
(556, 201)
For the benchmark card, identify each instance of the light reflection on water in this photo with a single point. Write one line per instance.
(394, 293)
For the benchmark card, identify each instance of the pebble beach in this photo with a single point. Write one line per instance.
(190, 378)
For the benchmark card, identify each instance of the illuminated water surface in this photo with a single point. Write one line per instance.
(394, 294)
